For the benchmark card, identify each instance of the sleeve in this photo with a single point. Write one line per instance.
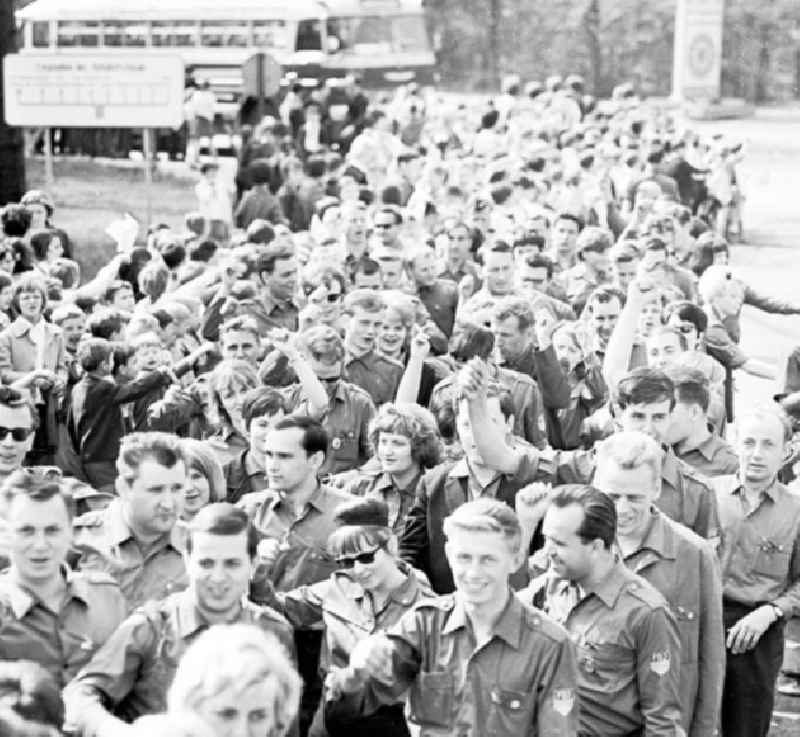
(658, 673)
(768, 303)
(706, 522)
(302, 606)
(5, 355)
(789, 600)
(414, 541)
(565, 466)
(365, 414)
(557, 712)
(138, 387)
(791, 380)
(533, 423)
(721, 347)
(553, 383)
(711, 653)
(110, 675)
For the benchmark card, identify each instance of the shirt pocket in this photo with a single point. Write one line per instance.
(512, 710)
(435, 700)
(686, 616)
(772, 559)
(605, 665)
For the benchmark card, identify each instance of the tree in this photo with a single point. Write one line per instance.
(12, 155)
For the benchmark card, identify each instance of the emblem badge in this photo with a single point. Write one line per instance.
(563, 700)
(659, 663)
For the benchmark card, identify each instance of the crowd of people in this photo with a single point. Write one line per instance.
(425, 425)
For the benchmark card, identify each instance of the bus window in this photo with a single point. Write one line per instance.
(78, 33)
(224, 33)
(41, 34)
(270, 34)
(174, 33)
(394, 33)
(122, 33)
(309, 36)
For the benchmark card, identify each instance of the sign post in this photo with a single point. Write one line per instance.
(47, 145)
(147, 151)
(698, 50)
(95, 91)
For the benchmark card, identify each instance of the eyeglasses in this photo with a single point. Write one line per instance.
(364, 559)
(383, 226)
(18, 434)
(686, 328)
(334, 297)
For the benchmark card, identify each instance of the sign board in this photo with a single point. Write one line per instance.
(261, 76)
(698, 49)
(94, 90)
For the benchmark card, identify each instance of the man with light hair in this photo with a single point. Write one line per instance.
(519, 665)
(681, 565)
(759, 553)
(237, 676)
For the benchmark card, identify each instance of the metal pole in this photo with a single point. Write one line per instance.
(148, 175)
(49, 175)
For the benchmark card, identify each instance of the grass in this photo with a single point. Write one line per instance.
(89, 195)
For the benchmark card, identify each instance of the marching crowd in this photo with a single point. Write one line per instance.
(424, 425)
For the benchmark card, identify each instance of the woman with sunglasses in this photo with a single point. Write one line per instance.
(369, 593)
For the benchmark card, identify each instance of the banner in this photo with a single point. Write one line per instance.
(698, 49)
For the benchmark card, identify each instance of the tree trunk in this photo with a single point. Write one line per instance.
(591, 26)
(12, 155)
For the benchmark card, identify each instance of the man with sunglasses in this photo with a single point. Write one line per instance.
(386, 225)
(16, 430)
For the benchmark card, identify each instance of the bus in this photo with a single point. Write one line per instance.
(382, 42)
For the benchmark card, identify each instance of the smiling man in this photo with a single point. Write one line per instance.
(478, 661)
(48, 614)
(135, 667)
(760, 556)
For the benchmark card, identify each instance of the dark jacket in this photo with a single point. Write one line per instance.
(95, 421)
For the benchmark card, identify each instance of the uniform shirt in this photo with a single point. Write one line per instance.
(243, 476)
(521, 682)
(684, 569)
(347, 612)
(373, 483)
(303, 558)
(760, 550)
(134, 669)
(346, 420)
(685, 496)
(377, 375)
(712, 457)
(61, 642)
(106, 543)
(628, 653)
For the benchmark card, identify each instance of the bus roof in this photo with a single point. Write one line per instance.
(43, 10)
(367, 7)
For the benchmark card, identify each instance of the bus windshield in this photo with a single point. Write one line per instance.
(370, 33)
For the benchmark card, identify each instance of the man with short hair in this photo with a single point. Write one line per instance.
(134, 539)
(386, 224)
(564, 240)
(377, 375)
(497, 273)
(627, 640)
(48, 613)
(534, 279)
(299, 512)
(601, 313)
(439, 296)
(487, 410)
(759, 554)
(239, 340)
(690, 433)
(592, 268)
(17, 428)
(131, 674)
(679, 564)
(479, 660)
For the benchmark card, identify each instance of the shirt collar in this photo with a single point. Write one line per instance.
(659, 538)
(22, 600)
(316, 500)
(773, 491)
(707, 448)
(609, 588)
(119, 531)
(670, 470)
(270, 303)
(190, 619)
(460, 470)
(508, 627)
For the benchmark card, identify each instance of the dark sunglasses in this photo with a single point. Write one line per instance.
(686, 328)
(334, 297)
(18, 434)
(383, 226)
(364, 558)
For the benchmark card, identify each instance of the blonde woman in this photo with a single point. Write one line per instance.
(239, 681)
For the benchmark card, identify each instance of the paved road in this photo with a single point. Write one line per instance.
(770, 261)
